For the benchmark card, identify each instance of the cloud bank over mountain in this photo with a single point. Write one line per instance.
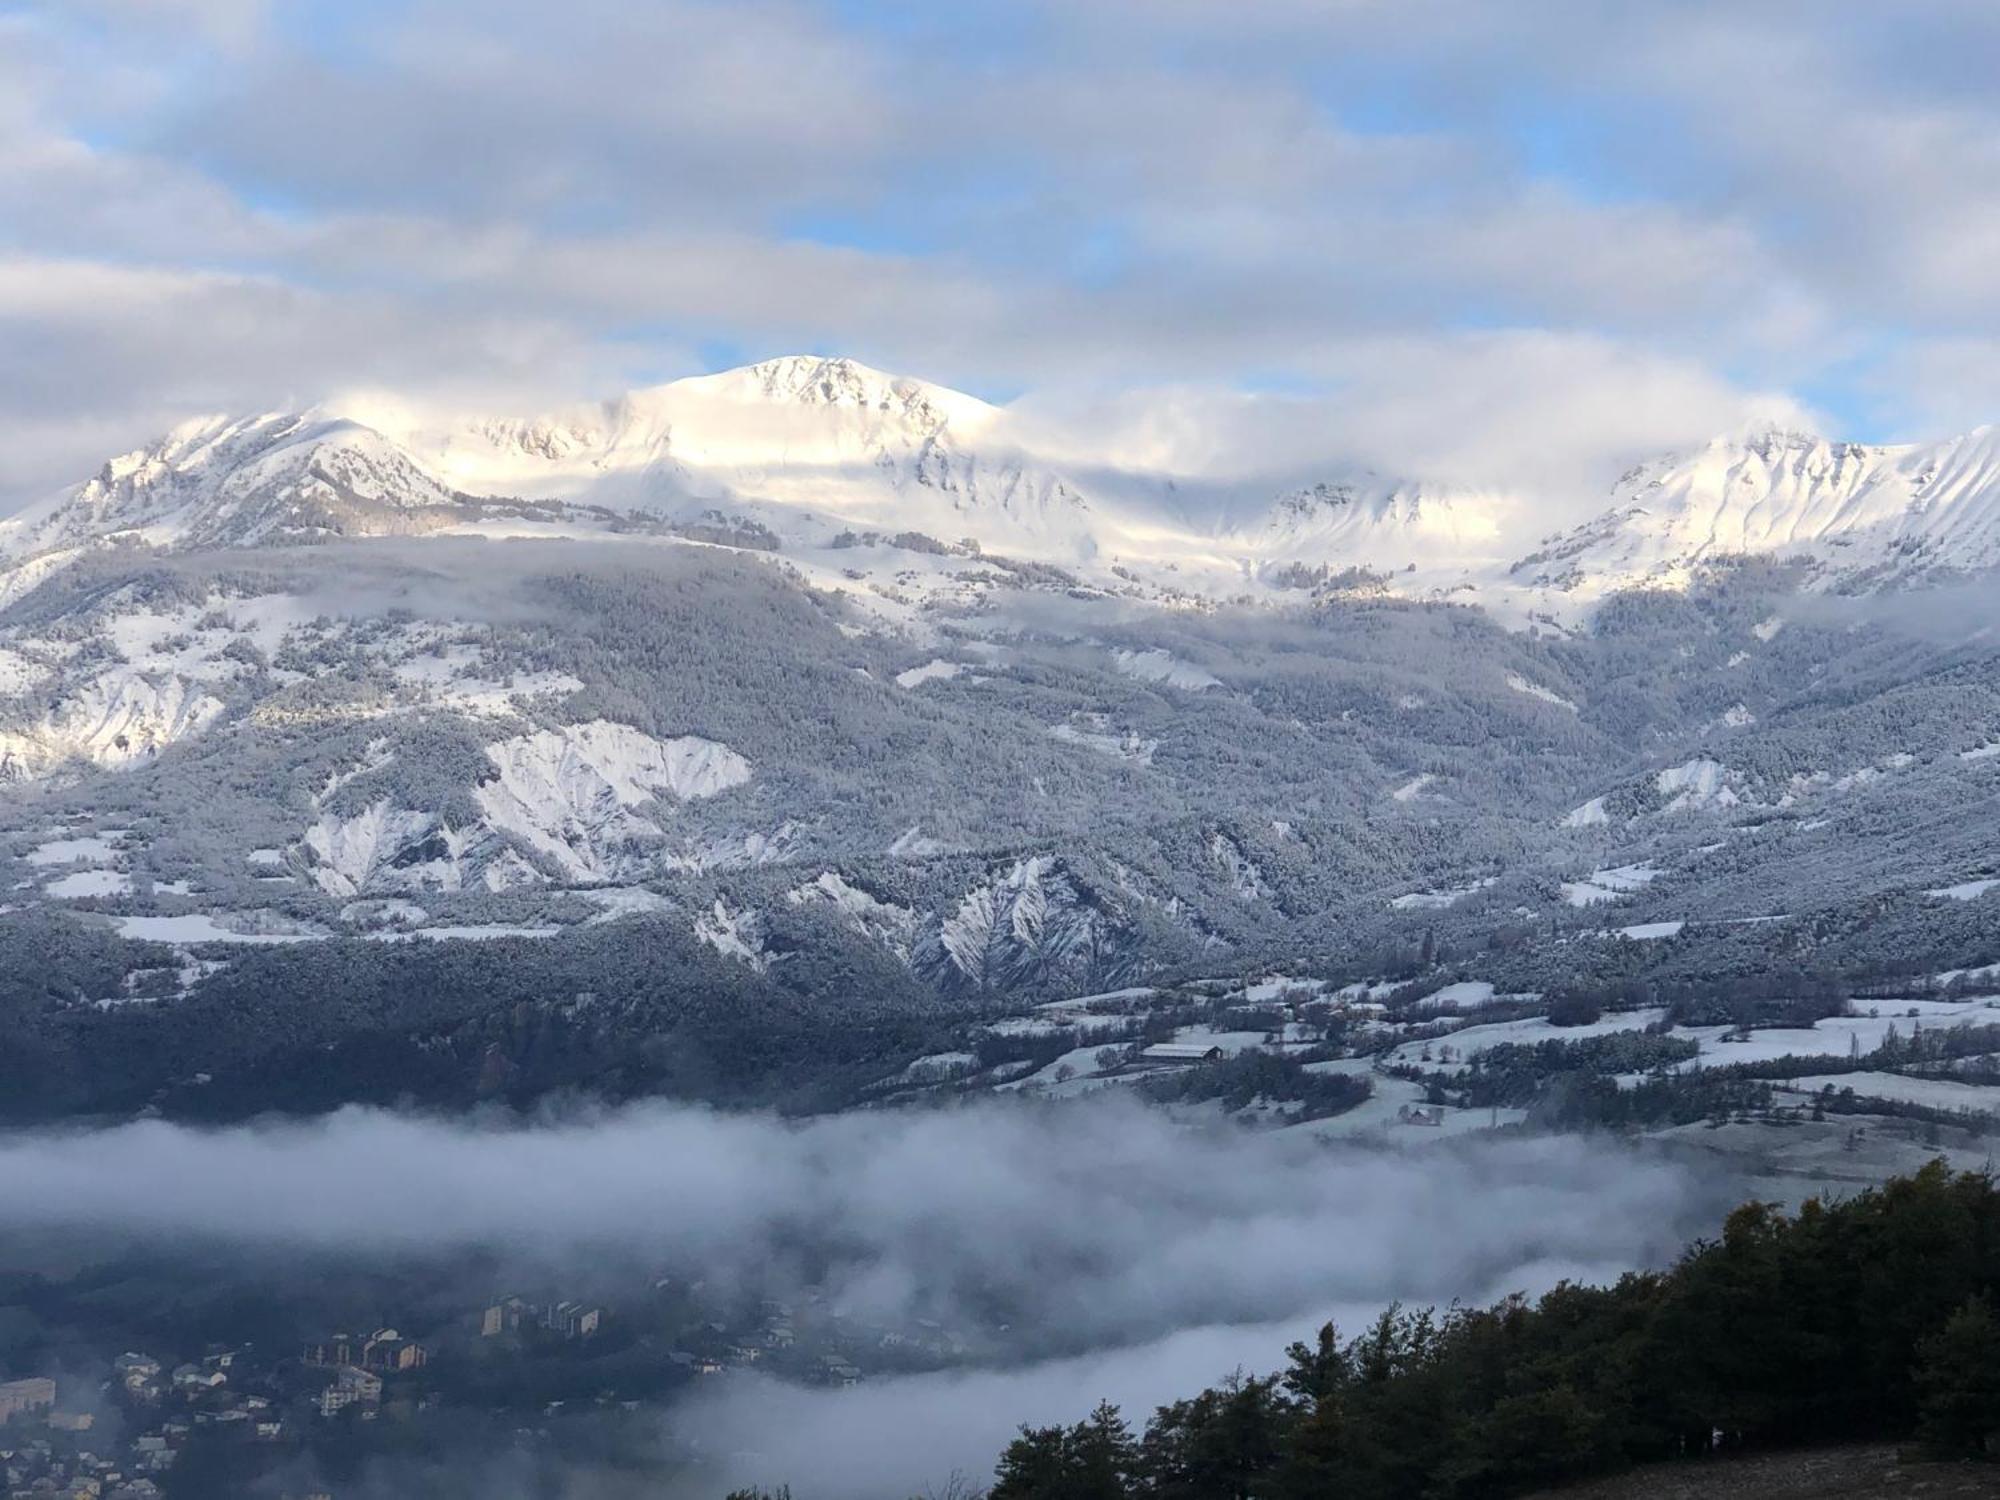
(1253, 236)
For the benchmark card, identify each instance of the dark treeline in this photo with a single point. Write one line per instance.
(1849, 1321)
(1242, 1080)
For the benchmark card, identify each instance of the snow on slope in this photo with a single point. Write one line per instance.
(937, 669)
(388, 848)
(1164, 668)
(1031, 922)
(827, 453)
(1242, 872)
(1967, 890)
(119, 720)
(1093, 732)
(1380, 527)
(1438, 900)
(818, 446)
(568, 793)
(892, 926)
(1587, 815)
(1520, 684)
(247, 481)
(120, 682)
(734, 933)
(1609, 885)
(1861, 513)
(1695, 784)
(569, 797)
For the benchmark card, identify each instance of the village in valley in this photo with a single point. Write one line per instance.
(564, 1377)
(293, 1381)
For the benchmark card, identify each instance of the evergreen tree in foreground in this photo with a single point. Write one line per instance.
(1958, 1382)
(1865, 1319)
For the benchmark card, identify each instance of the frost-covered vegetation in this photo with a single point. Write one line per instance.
(625, 754)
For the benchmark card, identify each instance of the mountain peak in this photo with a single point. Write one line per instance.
(277, 477)
(1860, 515)
(838, 383)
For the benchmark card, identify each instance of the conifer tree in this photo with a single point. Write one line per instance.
(1958, 1382)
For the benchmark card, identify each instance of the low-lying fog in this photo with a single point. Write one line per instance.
(1131, 1257)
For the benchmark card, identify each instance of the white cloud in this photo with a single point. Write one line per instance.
(1640, 218)
(1553, 416)
(1943, 385)
(97, 357)
(230, 24)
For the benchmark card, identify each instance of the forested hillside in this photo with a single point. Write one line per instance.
(1866, 1319)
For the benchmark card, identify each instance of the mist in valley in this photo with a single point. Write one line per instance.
(1083, 1250)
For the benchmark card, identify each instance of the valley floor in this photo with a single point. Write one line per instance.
(1860, 1473)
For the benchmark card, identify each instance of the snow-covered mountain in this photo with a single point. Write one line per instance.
(1859, 515)
(807, 455)
(250, 481)
(1416, 537)
(849, 471)
(805, 690)
(817, 447)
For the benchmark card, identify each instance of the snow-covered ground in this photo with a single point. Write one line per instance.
(1837, 1036)
(1164, 668)
(1081, 1005)
(1695, 784)
(475, 932)
(90, 849)
(935, 670)
(1231, 1042)
(1646, 932)
(1460, 995)
(201, 927)
(939, 1065)
(1282, 987)
(1436, 900)
(1969, 890)
(84, 883)
(1379, 1117)
(1929, 1092)
(1528, 1031)
(1614, 884)
(1075, 1072)
(1129, 745)
(1521, 684)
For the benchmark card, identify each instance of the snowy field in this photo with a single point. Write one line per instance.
(1838, 1036)
(1930, 1093)
(1526, 1032)
(1602, 886)
(200, 927)
(1379, 1117)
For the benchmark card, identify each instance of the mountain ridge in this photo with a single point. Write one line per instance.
(813, 454)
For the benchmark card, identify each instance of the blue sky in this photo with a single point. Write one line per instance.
(1522, 242)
